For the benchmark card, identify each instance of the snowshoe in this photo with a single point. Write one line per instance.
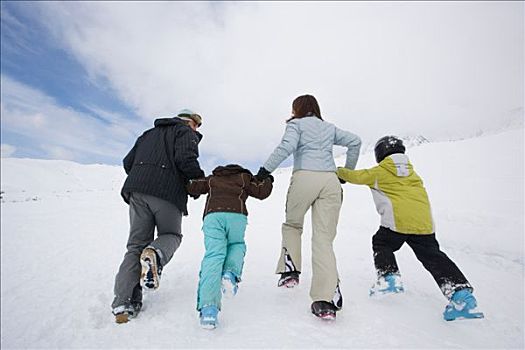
(208, 317)
(124, 313)
(387, 284)
(462, 306)
(324, 310)
(288, 279)
(151, 269)
(229, 285)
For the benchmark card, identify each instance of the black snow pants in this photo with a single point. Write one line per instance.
(446, 274)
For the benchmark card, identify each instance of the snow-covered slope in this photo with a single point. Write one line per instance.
(64, 228)
(32, 179)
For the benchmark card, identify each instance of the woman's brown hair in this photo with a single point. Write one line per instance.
(305, 106)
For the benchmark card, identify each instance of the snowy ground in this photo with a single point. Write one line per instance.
(64, 229)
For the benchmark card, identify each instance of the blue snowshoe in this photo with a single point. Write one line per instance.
(208, 317)
(229, 284)
(462, 306)
(387, 284)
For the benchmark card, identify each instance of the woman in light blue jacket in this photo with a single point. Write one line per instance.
(314, 184)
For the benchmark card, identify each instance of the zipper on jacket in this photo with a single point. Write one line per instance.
(240, 195)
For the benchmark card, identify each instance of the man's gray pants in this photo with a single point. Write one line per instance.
(146, 212)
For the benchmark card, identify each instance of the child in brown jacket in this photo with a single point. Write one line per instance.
(225, 219)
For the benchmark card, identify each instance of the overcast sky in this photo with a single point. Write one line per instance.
(81, 80)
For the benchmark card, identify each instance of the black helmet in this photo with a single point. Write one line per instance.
(386, 146)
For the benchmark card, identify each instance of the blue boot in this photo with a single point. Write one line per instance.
(208, 317)
(387, 284)
(462, 305)
(229, 285)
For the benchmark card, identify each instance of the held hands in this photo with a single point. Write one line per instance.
(263, 174)
(341, 181)
(189, 189)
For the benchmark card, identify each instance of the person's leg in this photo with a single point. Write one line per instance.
(384, 243)
(209, 292)
(168, 220)
(445, 272)
(127, 288)
(236, 247)
(300, 197)
(325, 216)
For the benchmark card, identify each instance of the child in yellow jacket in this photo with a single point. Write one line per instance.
(402, 202)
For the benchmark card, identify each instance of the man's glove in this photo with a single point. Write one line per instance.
(341, 181)
(262, 174)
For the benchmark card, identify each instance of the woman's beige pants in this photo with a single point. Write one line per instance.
(322, 192)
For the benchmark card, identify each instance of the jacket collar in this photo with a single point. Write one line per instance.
(229, 170)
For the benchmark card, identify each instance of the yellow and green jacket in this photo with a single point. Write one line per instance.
(398, 192)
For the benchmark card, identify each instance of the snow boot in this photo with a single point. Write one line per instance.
(126, 312)
(387, 284)
(229, 285)
(208, 317)
(338, 298)
(151, 269)
(462, 305)
(324, 310)
(289, 279)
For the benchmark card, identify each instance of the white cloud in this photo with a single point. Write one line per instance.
(438, 69)
(59, 132)
(7, 150)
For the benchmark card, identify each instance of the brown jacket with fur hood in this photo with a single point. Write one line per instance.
(228, 188)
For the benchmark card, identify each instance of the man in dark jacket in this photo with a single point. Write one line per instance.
(159, 166)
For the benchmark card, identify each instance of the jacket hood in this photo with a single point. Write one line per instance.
(397, 164)
(173, 121)
(167, 121)
(230, 169)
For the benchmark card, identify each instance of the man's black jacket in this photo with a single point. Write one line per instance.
(162, 162)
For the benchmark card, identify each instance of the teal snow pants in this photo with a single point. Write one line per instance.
(225, 250)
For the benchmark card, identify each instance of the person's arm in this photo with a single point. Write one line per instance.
(186, 152)
(358, 177)
(287, 146)
(197, 187)
(259, 189)
(130, 157)
(353, 144)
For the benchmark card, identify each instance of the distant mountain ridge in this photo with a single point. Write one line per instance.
(513, 120)
(408, 140)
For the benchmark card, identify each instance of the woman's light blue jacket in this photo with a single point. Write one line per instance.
(311, 140)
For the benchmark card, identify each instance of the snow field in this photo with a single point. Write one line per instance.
(63, 239)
